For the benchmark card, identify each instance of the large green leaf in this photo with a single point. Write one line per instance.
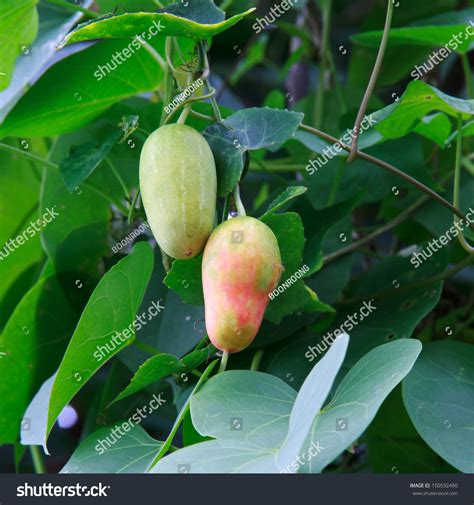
(310, 401)
(131, 453)
(419, 100)
(397, 313)
(31, 346)
(110, 311)
(131, 25)
(19, 190)
(54, 24)
(247, 130)
(249, 414)
(357, 400)
(438, 396)
(396, 447)
(77, 238)
(432, 32)
(244, 406)
(55, 105)
(218, 456)
(18, 29)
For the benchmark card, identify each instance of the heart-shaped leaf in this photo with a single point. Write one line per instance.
(247, 130)
(438, 395)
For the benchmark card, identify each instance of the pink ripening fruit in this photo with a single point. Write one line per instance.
(241, 267)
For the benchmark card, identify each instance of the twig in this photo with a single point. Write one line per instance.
(372, 81)
(368, 238)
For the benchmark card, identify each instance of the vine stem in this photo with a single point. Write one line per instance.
(257, 358)
(168, 79)
(457, 182)
(6, 147)
(183, 116)
(167, 444)
(133, 205)
(153, 53)
(73, 7)
(323, 60)
(188, 102)
(121, 208)
(37, 458)
(224, 359)
(372, 81)
(468, 76)
(205, 78)
(387, 166)
(118, 177)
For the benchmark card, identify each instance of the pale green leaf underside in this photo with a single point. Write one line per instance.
(104, 452)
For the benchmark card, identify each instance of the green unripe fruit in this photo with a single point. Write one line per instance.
(178, 185)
